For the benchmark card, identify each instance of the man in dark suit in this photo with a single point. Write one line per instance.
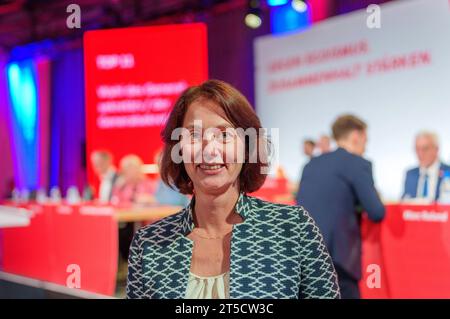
(424, 182)
(335, 188)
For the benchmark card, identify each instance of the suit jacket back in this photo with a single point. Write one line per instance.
(335, 188)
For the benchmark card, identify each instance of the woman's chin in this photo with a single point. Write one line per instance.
(214, 186)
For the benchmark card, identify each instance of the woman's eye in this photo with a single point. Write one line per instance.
(227, 136)
(195, 136)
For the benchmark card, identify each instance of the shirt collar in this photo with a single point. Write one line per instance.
(434, 168)
(109, 174)
(243, 208)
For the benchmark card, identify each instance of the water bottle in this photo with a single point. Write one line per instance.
(25, 195)
(73, 196)
(88, 193)
(15, 195)
(444, 194)
(55, 195)
(41, 196)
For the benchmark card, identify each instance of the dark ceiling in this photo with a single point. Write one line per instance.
(25, 21)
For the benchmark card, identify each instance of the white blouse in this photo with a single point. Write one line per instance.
(215, 287)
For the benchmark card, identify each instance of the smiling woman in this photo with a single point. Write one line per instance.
(225, 244)
(216, 119)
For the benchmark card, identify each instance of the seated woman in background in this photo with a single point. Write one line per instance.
(225, 244)
(132, 186)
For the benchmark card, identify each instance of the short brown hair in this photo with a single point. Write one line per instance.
(345, 124)
(237, 110)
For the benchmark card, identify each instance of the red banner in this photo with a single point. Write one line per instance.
(133, 77)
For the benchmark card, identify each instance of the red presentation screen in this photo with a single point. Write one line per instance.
(133, 77)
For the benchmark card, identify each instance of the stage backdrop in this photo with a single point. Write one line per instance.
(395, 77)
(133, 77)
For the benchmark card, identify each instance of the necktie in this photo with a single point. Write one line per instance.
(425, 186)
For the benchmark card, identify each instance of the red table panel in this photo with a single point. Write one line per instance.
(412, 248)
(61, 236)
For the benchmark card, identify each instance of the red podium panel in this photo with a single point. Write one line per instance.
(61, 240)
(409, 250)
(412, 248)
(25, 249)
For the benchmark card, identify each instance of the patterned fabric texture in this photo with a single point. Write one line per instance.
(276, 252)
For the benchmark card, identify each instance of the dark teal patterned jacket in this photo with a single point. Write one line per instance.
(276, 252)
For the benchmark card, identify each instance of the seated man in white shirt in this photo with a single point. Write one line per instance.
(102, 163)
(423, 183)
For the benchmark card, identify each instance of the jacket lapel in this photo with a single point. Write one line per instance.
(439, 181)
(415, 183)
(167, 260)
(238, 265)
(167, 267)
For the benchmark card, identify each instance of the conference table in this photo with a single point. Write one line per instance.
(405, 256)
